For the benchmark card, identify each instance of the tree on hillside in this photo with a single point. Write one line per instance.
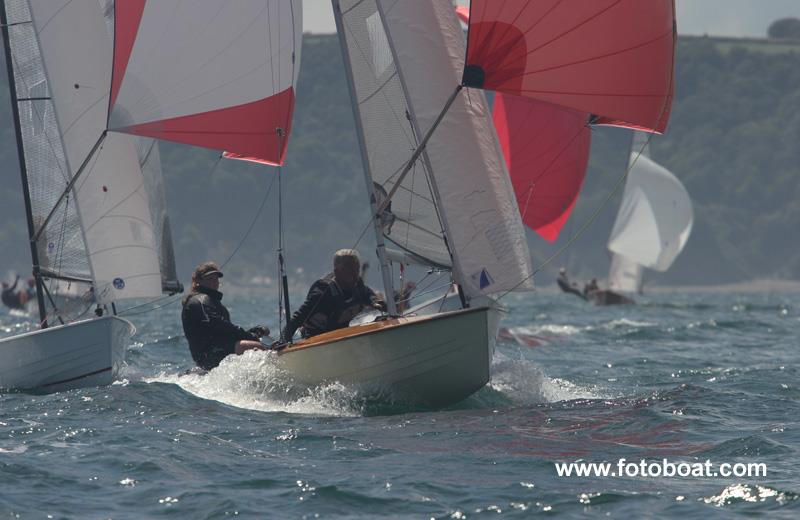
(785, 28)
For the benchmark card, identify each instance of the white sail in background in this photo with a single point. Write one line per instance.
(624, 275)
(475, 196)
(110, 196)
(653, 224)
(218, 74)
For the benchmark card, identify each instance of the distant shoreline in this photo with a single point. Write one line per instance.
(752, 286)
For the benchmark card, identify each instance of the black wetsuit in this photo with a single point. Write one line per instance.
(565, 286)
(329, 307)
(10, 297)
(208, 328)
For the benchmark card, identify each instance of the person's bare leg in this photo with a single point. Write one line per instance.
(247, 344)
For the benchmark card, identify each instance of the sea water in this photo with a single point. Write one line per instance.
(688, 378)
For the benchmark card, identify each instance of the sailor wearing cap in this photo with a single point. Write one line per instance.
(207, 323)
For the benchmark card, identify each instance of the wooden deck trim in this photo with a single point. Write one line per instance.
(346, 333)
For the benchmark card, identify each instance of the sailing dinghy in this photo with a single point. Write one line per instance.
(652, 227)
(450, 207)
(98, 234)
(451, 204)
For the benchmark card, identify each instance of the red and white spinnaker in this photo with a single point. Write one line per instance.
(219, 75)
(609, 58)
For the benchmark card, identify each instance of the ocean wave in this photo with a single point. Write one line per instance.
(627, 323)
(753, 445)
(523, 382)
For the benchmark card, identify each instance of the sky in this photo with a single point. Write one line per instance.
(749, 18)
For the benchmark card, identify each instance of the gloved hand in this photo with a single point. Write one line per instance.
(259, 331)
(278, 345)
(379, 305)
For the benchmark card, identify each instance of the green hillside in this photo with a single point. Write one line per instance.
(733, 139)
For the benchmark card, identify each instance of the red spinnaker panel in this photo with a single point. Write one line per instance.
(127, 16)
(610, 58)
(238, 130)
(547, 151)
(463, 13)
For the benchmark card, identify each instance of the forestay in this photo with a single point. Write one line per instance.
(470, 180)
(655, 217)
(214, 74)
(609, 58)
(112, 202)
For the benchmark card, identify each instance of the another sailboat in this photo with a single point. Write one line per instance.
(652, 226)
(95, 235)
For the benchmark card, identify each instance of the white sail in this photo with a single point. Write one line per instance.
(624, 275)
(111, 199)
(475, 196)
(216, 74)
(412, 221)
(655, 217)
(150, 164)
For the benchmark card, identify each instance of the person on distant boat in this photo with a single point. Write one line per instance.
(10, 296)
(590, 287)
(28, 293)
(207, 323)
(565, 285)
(334, 300)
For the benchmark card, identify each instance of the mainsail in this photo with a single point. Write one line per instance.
(218, 75)
(609, 58)
(405, 59)
(653, 224)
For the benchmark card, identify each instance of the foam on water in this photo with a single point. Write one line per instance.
(742, 493)
(254, 382)
(523, 382)
(627, 323)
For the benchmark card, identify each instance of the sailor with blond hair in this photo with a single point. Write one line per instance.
(334, 300)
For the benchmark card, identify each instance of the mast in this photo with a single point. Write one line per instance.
(282, 267)
(421, 151)
(12, 87)
(386, 273)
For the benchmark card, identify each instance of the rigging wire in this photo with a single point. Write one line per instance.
(252, 223)
(232, 255)
(620, 182)
(127, 312)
